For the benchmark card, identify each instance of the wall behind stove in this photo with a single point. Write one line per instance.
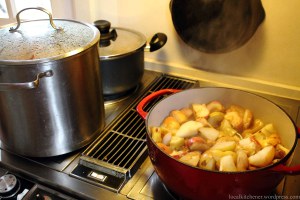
(271, 55)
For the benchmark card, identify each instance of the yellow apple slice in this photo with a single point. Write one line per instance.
(263, 157)
(224, 146)
(189, 129)
(227, 164)
(191, 158)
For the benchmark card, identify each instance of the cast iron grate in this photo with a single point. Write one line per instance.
(122, 148)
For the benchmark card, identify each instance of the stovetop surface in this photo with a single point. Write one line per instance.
(141, 182)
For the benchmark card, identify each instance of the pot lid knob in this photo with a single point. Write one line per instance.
(105, 37)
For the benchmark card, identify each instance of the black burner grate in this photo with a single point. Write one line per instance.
(122, 148)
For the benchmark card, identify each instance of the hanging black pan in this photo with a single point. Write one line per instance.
(216, 26)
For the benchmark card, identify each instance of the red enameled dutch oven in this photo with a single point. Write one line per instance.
(194, 183)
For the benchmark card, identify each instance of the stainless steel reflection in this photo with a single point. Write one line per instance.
(62, 114)
(51, 99)
(27, 85)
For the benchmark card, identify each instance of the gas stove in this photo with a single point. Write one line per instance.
(113, 166)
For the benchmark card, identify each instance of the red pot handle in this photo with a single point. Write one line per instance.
(147, 99)
(283, 169)
(286, 170)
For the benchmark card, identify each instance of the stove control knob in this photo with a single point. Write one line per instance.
(9, 185)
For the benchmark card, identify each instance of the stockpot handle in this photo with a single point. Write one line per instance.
(35, 8)
(147, 99)
(157, 41)
(26, 85)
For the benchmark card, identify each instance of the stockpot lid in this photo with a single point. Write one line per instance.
(121, 41)
(38, 40)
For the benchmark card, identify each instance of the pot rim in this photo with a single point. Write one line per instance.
(94, 39)
(118, 56)
(138, 47)
(269, 167)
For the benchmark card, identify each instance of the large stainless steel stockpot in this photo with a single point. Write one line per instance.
(51, 99)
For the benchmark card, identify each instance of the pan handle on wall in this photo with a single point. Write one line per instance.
(26, 85)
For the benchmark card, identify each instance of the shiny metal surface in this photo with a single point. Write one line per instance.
(122, 73)
(7, 183)
(37, 41)
(27, 85)
(12, 29)
(63, 114)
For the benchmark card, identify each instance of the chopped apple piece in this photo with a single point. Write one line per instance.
(227, 129)
(249, 145)
(256, 126)
(191, 158)
(235, 120)
(273, 139)
(200, 110)
(167, 138)
(280, 151)
(235, 108)
(197, 144)
(178, 154)
(176, 142)
(217, 155)
(242, 162)
(268, 129)
(156, 134)
(170, 123)
(228, 138)
(215, 106)
(209, 133)
(247, 119)
(267, 136)
(227, 164)
(189, 129)
(164, 148)
(207, 161)
(187, 112)
(225, 146)
(203, 121)
(262, 158)
(215, 119)
(179, 116)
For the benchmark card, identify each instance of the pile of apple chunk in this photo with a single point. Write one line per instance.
(212, 137)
